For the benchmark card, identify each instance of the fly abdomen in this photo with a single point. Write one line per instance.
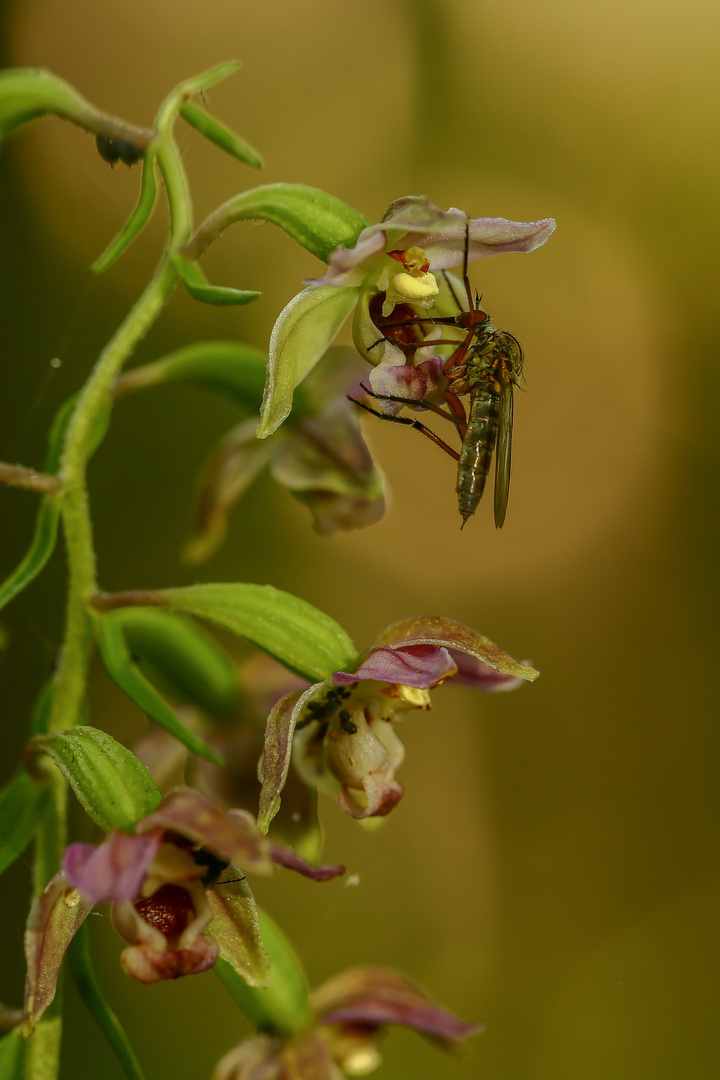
(477, 448)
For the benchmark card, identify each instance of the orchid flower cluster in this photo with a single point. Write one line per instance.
(224, 783)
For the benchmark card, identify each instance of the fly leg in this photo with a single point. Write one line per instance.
(409, 422)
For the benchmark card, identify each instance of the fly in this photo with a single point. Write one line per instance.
(486, 365)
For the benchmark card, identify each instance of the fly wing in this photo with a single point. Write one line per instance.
(503, 453)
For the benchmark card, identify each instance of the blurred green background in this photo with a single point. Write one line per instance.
(552, 869)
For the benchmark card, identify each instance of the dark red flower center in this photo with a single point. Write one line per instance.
(169, 910)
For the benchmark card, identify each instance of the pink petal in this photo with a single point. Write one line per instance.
(148, 965)
(421, 666)
(231, 834)
(343, 261)
(113, 870)
(457, 639)
(283, 856)
(54, 919)
(374, 996)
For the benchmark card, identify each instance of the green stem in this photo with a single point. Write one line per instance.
(70, 680)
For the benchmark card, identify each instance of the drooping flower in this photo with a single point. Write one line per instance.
(352, 1011)
(339, 733)
(394, 262)
(166, 901)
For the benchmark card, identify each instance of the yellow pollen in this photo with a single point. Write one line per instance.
(415, 288)
(414, 696)
(361, 1062)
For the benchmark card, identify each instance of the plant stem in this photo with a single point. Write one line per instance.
(70, 680)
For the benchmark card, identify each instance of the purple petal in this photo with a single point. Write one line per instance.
(113, 870)
(457, 638)
(54, 919)
(472, 672)
(343, 261)
(371, 997)
(231, 834)
(291, 861)
(148, 965)
(412, 382)
(418, 665)
(429, 1019)
(441, 234)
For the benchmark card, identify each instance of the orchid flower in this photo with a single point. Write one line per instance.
(340, 733)
(395, 262)
(320, 457)
(166, 899)
(351, 1012)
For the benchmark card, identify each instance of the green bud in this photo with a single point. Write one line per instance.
(111, 784)
(221, 135)
(184, 657)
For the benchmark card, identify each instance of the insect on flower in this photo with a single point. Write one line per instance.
(486, 365)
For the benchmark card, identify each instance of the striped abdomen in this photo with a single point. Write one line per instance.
(478, 445)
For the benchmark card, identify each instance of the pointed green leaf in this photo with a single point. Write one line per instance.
(318, 221)
(12, 1054)
(46, 523)
(137, 220)
(209, 78)
(183, 656)
(118, 663)
(302, 333)
(221, 135)
(26, 93)
(89, 989)
(23, 803)
(302, 638)
(199, 288)
(37, 555)
(230, 368)
(114, 788)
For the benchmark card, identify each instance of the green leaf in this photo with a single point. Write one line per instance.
(111, 784)
(283, 1007)
(137, 220)
(199, 288)
(26, 93)
(12, 1054)
(318, 221)
(46, 523)
(302, 638)
(89, 989)
(183, 656)
(221, 135)
(37, 555)
(23, 803)
(119, 665)
(301, 335)
(230, 368)
(209, 78)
